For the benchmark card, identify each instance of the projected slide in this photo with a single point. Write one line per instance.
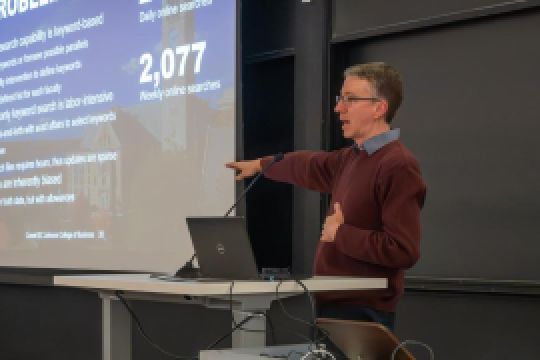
(116, 118)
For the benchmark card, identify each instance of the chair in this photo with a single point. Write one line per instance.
(360, 340)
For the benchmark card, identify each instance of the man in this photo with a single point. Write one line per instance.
(373, 223)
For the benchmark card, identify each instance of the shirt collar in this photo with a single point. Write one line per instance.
(377, 142)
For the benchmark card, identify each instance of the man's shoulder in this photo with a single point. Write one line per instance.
(340, 154)
(396, 156)
(318, 157)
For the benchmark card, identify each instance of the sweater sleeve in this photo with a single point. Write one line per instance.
(314, 170)
(397, 244)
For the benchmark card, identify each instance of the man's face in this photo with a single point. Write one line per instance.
(359, 118)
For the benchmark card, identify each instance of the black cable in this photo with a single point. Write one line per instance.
(230, 303)
(277, 157)
(285, 311)
(145, 335)
(239, 325)
(188, 270)
(190, 261)
(313, 311)
(272, 331)
(315, 329)
(231, 310)
(311, 340)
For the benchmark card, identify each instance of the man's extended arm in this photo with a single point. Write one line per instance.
(314, 170)
(309, 169)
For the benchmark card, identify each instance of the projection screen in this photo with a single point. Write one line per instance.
(116, 118)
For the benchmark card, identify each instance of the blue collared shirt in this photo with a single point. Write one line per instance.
(375, 143)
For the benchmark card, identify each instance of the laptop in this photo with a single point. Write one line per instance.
(224, 250)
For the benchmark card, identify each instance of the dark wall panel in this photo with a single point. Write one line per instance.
(267, 26)
(182, 330)
(471, 326)
(471, 116)
(367, 17)
(310, 109)
(45, 323)
(41, 322)
(269, 129)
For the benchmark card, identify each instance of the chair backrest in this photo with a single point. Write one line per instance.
(363, 340)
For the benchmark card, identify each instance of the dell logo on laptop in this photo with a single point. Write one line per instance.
(220, 249)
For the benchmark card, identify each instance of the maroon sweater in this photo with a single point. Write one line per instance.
(381, 196)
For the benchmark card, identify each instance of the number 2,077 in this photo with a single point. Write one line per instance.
(172, 61)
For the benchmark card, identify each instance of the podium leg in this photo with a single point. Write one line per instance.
(116, 329)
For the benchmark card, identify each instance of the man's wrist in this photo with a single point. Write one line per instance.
(336, 231)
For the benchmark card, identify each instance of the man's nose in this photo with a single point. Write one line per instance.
(339, 108)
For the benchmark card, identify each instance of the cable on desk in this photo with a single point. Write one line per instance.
(145, 335)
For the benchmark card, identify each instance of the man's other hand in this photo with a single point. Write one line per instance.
(247, 168)
(331, 224)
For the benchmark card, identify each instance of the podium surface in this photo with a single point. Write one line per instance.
(147, 284)
(247, 297)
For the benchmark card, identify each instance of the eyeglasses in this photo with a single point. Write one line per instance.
(349, 99)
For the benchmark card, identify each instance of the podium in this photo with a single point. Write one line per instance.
(247, 297)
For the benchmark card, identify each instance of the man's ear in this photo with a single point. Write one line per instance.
(381, 108)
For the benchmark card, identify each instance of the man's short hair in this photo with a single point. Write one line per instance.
(385, 80)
